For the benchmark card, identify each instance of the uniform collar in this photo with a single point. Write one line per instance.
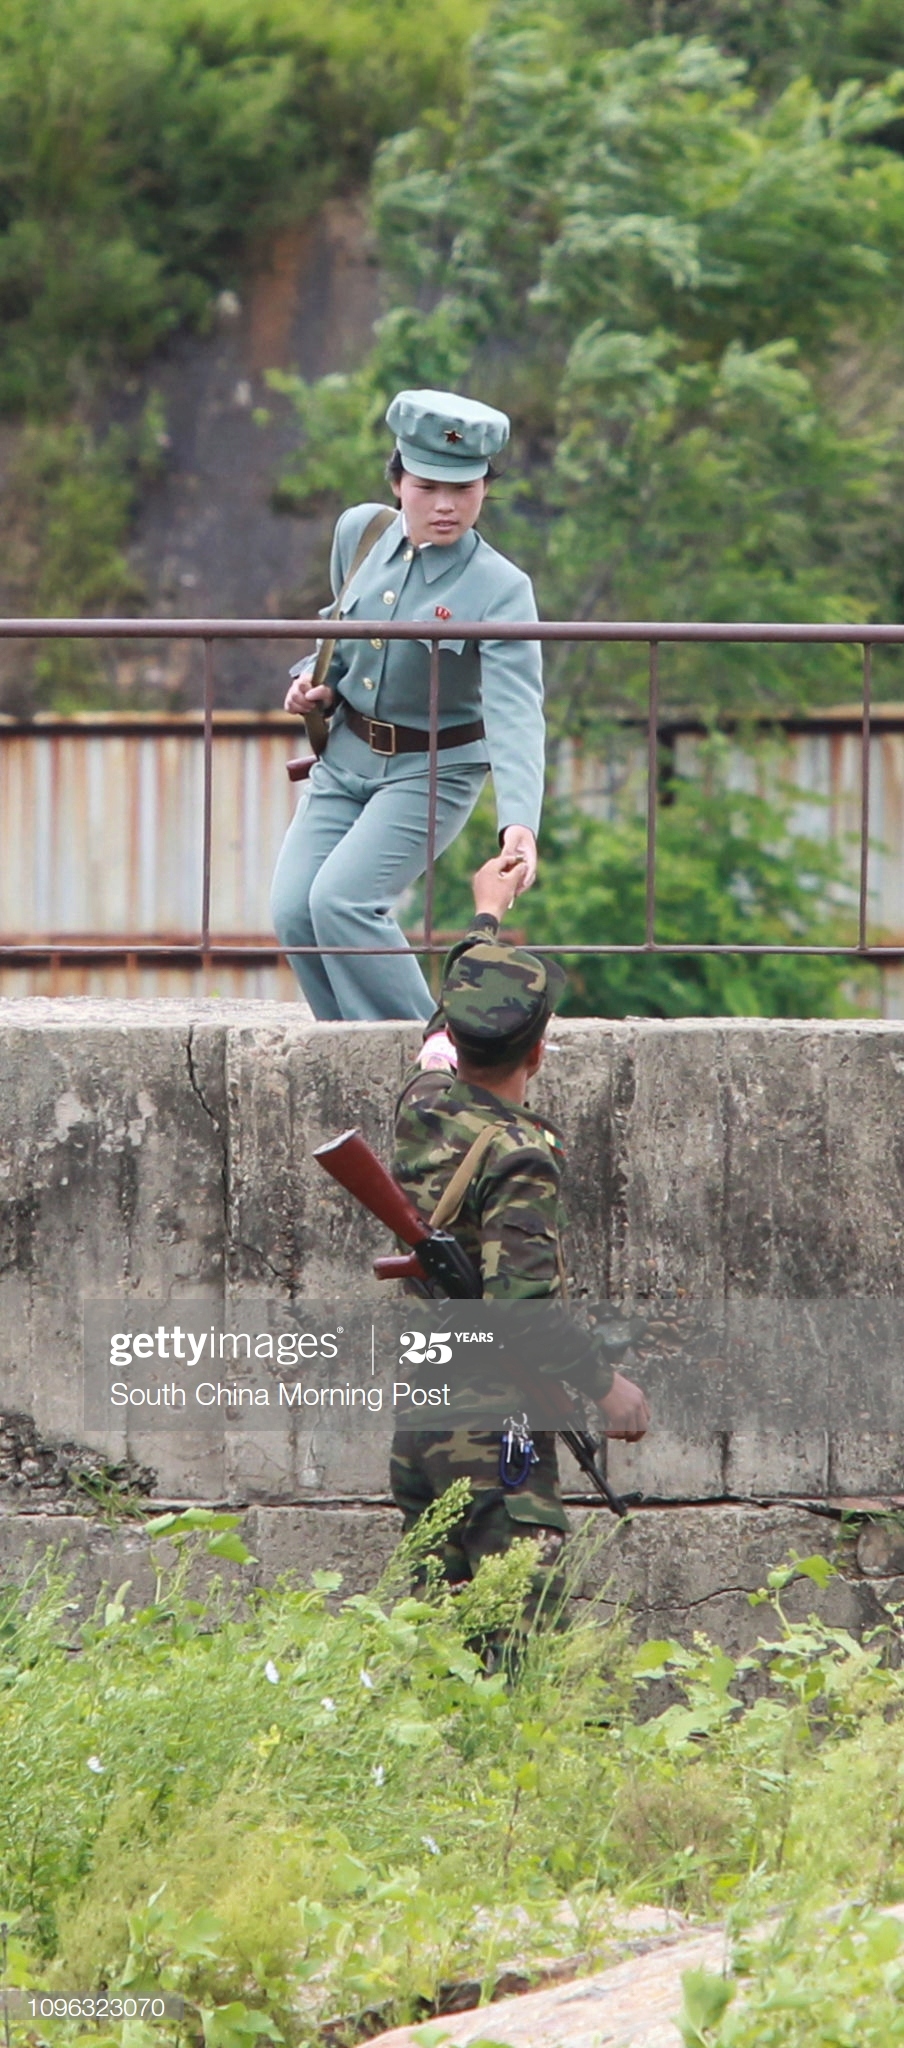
(437, 561)
(469, 1095)
(390, 541)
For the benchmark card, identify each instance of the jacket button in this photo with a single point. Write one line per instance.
(408, 556)
(368, 685)
(389, 597)
(376, 643)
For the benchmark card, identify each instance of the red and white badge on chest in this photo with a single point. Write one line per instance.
(442, 612)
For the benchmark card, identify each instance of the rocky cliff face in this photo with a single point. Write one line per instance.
(208, 542)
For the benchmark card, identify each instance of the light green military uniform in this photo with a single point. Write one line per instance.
(359, 834)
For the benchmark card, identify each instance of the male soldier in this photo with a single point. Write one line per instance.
(494, 1008)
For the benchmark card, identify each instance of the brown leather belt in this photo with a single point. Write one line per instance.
(388, 739)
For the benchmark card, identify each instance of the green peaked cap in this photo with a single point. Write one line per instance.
(497, 997)
(441, 435)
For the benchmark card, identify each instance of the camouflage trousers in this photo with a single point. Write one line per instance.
(423, 1463)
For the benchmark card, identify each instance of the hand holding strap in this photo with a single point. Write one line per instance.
(315, 722)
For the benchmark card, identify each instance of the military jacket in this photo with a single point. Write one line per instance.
(498, 680)
(511, 1219)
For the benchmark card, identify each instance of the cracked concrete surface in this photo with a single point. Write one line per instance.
(749, 1172)
(675, 1570)
(220, 1125)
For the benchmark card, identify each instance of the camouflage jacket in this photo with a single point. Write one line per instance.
(511, 1219)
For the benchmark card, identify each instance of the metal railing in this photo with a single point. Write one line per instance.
(655, 634)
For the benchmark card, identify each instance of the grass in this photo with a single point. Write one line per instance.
(296, 1809)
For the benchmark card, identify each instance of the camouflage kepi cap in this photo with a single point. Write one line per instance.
(497, 999)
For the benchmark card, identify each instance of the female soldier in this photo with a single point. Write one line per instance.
(359, 835)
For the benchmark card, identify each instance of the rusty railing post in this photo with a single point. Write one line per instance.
(652, 795)
(432, 787)
(208, 801)
(864, 794)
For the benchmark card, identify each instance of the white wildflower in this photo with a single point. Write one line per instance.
(94, 1763)
(378, 1774)
(329, 1704)
(430, 1844)
(367, 1680)
(271, 1672)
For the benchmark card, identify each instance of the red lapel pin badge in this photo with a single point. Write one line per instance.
(442, 612)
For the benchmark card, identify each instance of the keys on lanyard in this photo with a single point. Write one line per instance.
(517, 1453)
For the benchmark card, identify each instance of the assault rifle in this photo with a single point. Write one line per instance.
(437, 1261)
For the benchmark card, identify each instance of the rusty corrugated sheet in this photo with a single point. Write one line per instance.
(101, 830)
(100, 825)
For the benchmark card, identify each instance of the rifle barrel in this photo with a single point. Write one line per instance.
(580, 1447)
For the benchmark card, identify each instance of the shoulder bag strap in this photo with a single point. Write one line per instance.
(369, 538)
(449, 1205)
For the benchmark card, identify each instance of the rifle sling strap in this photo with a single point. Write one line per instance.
(452, 1197)
(446, 1211)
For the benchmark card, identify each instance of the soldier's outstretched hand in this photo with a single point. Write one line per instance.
(497, 883)
(626, 1410)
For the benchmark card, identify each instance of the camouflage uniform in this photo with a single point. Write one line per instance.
(510, 1224)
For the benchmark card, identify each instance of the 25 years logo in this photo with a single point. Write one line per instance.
(422, 1347)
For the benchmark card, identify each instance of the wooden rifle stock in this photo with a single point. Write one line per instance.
(399, 1266)
(351, 1162)
(440, 1258)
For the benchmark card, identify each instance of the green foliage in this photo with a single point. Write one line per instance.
(733, 868)
(705, 2000)
(142, 146)
(811, 1986)
(656, 273)
(65, 522)
(829, 39)
(403, 1820)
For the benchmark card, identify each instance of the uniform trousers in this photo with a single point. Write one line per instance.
(423, 1463)
(356, 841)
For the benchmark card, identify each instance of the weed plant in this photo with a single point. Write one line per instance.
(289, 1807)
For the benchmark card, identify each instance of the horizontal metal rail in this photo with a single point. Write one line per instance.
(603, 630)
(206, 949)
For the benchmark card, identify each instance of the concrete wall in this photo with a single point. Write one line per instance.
(679, 1569)
(742, 1176)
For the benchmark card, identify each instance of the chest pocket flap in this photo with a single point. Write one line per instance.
(446, 646)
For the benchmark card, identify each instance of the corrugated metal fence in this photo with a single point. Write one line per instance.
(100, 837)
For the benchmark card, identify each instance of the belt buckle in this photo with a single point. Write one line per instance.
(384, 725)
